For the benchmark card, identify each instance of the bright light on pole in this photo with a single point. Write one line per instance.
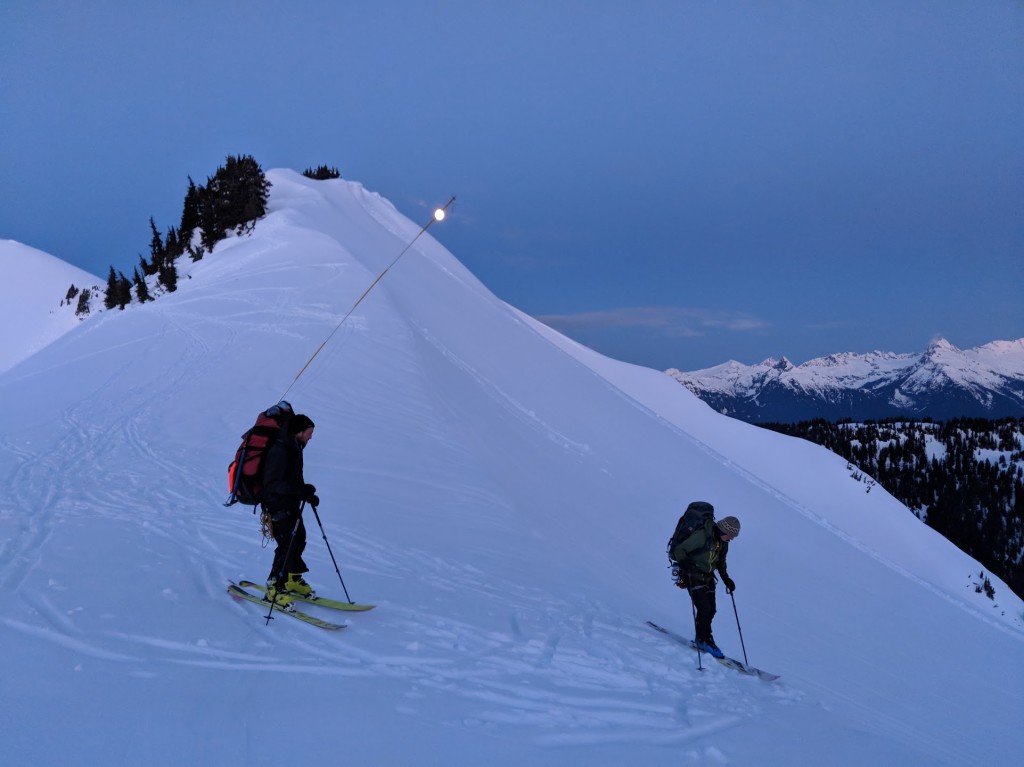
(439, 215)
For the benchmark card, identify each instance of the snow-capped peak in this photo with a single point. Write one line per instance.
(782, 365)
(942, 381)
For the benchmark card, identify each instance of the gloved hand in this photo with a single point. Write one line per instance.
(730, 584)
(309, 495)
(681, 580)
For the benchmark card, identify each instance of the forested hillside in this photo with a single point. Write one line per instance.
(964, 478)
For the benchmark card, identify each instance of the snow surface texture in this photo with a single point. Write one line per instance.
(503, 495)
(31, 311)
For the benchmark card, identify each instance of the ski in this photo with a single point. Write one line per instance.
(331, 603)
(728, 662)
(237, 593)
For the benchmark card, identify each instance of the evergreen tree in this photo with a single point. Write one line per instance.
(940, 472)
(83, 303)
(110, 297)
(172, 247)
(124, 291)
(72, 292)
(250, 194)
(210, 223)
(322, 173)
(234, 198)
(156, 245)
(141, 289)
(190, 214)
(169, 276)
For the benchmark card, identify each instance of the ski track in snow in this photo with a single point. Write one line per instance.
(554, 668)
(572, 683)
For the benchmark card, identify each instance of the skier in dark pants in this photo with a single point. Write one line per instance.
(700, 555)
(284, 491)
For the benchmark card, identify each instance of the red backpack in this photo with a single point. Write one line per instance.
(245, 473)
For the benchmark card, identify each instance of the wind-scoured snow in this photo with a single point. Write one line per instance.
(33, 312)
(503, 495)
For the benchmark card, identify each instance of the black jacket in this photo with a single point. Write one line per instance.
(282, 476)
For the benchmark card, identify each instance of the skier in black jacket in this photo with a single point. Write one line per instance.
(284, 491)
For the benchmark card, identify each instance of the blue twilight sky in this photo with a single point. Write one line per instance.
(672, 183)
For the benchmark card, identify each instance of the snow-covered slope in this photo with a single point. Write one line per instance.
(942, 382)
(32, 310)
(501, 493)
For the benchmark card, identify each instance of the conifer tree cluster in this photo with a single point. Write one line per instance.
(83, 302)
(234, 197)
(162, 255)
(964, 478)
(83, 299)
(321, 173)
(119, 291)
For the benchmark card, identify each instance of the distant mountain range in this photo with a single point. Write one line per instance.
(943, 382)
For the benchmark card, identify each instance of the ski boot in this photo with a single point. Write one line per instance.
(281, 599)
(709, 647)
(297, 585)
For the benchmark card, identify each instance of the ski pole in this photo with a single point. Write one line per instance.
(284, 565)
(738, 628)
(700, 665)
(439, 215)
(344, 588)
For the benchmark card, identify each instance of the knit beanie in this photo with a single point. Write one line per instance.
(729, 526)
(301, 422)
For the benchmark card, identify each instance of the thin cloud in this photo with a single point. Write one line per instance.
(674, 322)
(830, 325)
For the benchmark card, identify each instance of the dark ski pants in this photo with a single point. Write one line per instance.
(703, 595)
(283, 529)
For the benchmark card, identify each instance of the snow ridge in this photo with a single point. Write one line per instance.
(33, 313)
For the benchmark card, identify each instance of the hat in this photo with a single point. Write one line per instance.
(729, 526)
(301, 422)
